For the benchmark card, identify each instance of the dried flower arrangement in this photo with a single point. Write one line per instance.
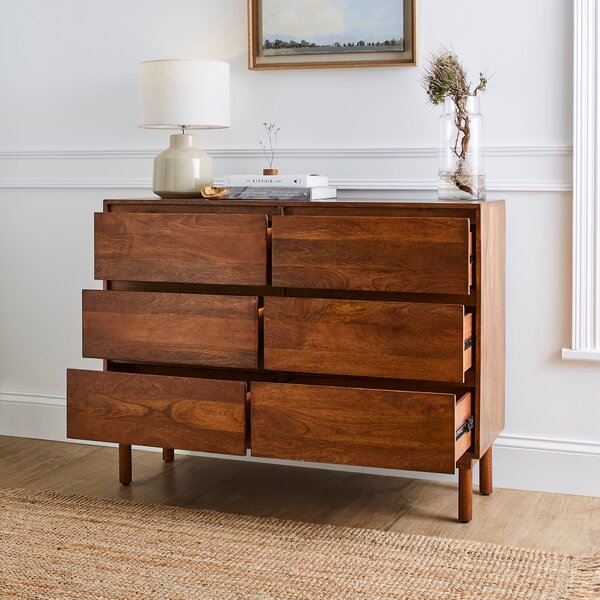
(444, 78)
(270, 150)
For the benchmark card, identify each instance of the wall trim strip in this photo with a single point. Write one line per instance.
(342, 184)
(586, 184)
(332, 152)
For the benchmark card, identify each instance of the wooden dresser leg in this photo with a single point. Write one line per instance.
(168, 454)
(125, 464)
(465, 491)
(485, 473)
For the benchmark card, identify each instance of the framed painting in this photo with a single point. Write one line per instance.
(303, 34)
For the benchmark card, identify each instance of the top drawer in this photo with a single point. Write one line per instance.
(181, 248)
(392, 254)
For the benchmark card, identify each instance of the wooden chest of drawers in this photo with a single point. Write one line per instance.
(368, 334)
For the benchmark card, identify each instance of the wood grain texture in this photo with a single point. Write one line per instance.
(186, 329)
(373, 339)
(372, 428)
(468, 301)
(166, 412)
(190, 248)
(369, 259)
(406, 254)
(465, 491)
(485, 473)
(491, 325)
(125, 475)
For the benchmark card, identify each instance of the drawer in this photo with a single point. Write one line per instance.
(400, 254)
(181, 329)
(151, 410)
(181, 247)
(367, 427)
(398, 340)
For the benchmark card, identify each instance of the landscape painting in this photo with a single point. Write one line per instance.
(302, 33)
(331, 26)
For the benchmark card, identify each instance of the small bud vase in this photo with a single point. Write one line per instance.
(460, 172)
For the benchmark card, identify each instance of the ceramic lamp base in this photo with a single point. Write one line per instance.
(183, 169)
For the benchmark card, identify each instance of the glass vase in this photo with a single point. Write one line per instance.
(460, 171)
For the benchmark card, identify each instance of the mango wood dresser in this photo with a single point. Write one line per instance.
(359, 333)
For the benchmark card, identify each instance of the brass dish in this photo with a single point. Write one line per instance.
(214, 192)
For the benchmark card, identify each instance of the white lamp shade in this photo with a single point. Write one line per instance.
(173, 93)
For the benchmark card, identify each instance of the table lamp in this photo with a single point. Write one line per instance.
(183, 95)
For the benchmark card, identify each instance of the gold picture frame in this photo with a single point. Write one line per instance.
(291, 54)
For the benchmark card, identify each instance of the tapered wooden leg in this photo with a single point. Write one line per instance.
(485, 473)
(125, 464)
(168, 454)
(465, 492)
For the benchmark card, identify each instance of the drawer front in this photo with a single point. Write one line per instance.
(183, 329)
(150, 410)
(399, 340)
(367, 427)
(401, 254)
(188, 248)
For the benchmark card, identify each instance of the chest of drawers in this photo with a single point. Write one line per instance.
(367, 334)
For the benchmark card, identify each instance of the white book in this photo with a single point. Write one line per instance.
(323, 193)
(281, 181)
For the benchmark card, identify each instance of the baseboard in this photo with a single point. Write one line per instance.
(520, 462)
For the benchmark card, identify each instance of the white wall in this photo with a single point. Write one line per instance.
(68, 139)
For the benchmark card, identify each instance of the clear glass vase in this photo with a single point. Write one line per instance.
(460, 172)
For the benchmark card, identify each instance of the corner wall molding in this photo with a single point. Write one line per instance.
(587, 355)
(586, 183)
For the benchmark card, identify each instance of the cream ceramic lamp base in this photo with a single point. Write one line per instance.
(183, 169)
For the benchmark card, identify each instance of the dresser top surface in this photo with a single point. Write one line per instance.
(442, 204)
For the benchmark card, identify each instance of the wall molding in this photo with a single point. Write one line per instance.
(33, 398)
(520, 462)
(569, 354)
(332, 152)
(407, 169)
(342, 184)
(586, 185)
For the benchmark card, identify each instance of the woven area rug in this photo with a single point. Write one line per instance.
(54, 546)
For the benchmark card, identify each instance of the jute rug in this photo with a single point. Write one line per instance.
(55, 547)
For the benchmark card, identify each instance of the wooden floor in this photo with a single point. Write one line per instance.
(553, 522)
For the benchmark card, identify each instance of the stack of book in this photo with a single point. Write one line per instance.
(279, 187)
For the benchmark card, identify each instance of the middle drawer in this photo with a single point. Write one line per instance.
(181, 329)
(400, 340)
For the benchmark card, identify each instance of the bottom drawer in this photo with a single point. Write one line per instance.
(152, 410)
(419, 431)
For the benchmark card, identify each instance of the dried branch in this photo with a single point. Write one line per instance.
(270, 151)
(445, 77)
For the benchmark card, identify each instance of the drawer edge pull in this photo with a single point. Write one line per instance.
(468, 343)
(466, 427)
